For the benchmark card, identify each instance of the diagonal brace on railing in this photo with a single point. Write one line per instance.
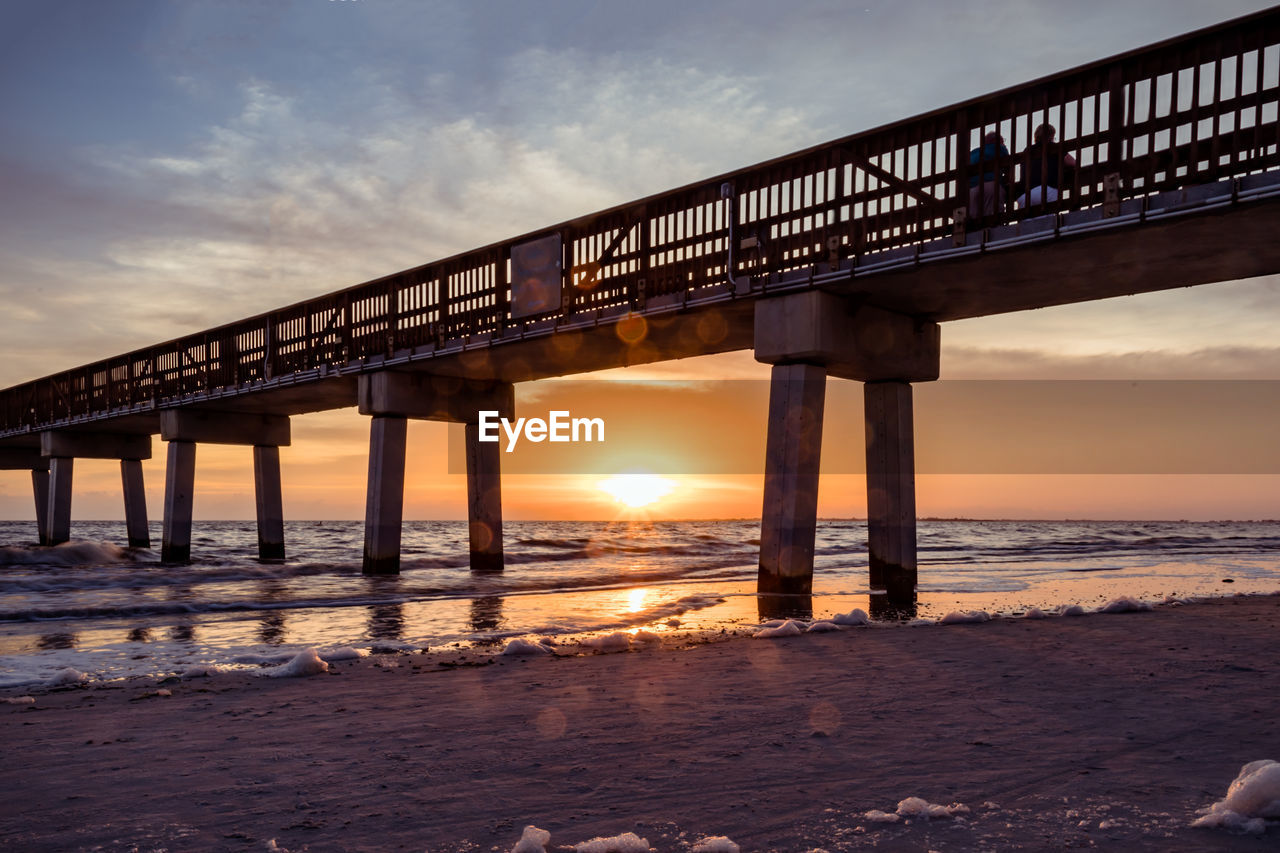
(591, 269)
(900, 184)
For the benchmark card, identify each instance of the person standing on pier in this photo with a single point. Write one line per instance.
(986, 190)
(1048, 168)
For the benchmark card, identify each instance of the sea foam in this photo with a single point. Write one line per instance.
(789, 628)
(627, 842)
(532, 840)
(1252, 798)
(305, 662)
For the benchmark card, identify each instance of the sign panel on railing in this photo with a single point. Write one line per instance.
(536, 277)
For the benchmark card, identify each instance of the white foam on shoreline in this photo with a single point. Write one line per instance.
(856, 616)
(520, 647)
(532, 840)
(304, 663)
(961, 617)
(822, 627)
(260, 660)
(627, 842)
(916, 807)
(919, 807)
(202, 671)
(618, 641)
(1125, 604)
(716, 844)
(63, 677)
(789, 628)
(1252, 798)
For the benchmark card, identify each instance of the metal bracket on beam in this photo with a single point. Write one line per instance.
(958, 234)
(833, 254)
(1111, 195)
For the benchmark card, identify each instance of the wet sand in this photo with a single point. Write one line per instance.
(1103, 731)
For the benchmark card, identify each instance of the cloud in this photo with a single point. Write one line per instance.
(1219, 362)
(287, 200)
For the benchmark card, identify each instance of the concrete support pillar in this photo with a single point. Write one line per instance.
(484, 501)
(179, 493)
(886, 350)
(391, 398)
(267, 490)
(135, 503)
(58, 514)
(60, 447)
(40, 486)
(384, 507)
(792, 456)
(183, 429)
(891, 491)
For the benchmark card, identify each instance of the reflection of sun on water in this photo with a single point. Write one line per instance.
(636, 599)
(637, 490)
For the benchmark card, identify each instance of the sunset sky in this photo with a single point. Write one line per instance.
(170, 166)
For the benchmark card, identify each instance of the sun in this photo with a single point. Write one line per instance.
(637, 490)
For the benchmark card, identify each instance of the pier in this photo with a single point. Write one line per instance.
(843, 260)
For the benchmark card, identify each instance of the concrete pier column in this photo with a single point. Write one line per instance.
(135, 503)
(384, 506)
(851, 340)
(891, 491)
(484, 501)
(792, 455)
(60, 447)
(40, 486)
(270, 502)
(58, 514)
(29, 458)
(179, 494)
(266, 434)
(393, 397)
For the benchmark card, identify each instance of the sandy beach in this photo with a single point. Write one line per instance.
(1102, 731)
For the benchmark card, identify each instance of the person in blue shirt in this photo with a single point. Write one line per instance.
(986, 188)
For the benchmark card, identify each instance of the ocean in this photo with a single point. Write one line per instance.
(93, 607)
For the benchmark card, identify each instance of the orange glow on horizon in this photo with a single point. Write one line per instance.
(636, 490)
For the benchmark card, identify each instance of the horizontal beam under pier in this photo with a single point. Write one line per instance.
(208, 427)
(851, 340)
(95, 445)
(428, 397)
(22, 459)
